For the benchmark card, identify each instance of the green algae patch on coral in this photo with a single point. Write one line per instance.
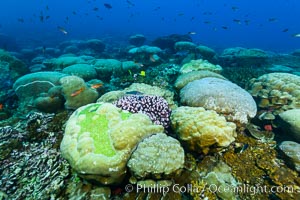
(98, 129)
(99, 139)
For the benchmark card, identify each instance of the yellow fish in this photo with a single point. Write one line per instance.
(143, 73)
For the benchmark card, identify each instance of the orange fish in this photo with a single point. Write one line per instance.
(97, 85)
(268, 127)
(77, 92)
(1, 106)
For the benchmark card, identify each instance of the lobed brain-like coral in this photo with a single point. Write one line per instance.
(220, 95)
(99, 139)
(201, 129)
(155, 107)
(157, 154)
(276, 92)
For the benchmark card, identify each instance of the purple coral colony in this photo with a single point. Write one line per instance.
(147, 118)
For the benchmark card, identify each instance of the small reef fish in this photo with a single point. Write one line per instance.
(237, 21)
(156, 9)
(224, 27)
(273, 19)
(21, 20)
(143, 73)
(234, 8)
(107, 5)
(285, 30)
(139, 64)
(247, 22)
(97, 85)
(192, 33)
(62, 29)
(130, 3)
(296, 35)
(1, 106)
(151, 58)
(77, 92)
(240, 147)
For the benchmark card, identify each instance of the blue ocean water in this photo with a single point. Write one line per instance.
(268, 24)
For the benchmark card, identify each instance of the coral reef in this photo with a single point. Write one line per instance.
(184, 46)
(30, 169)
(290, 121)
(261, 169)
(206, 52)
(242, 57)
(168, 42)
(147, 55)
(16, 67)
(106, 67)
(292, 151)
(140, 89)
(84, 71)
(64, 61)
(99, 139)
(40, 90)
(137, 40)
(222, 96)
(186, 78)
(32, 85)
(202, 130)
(216, 173)
(95, 45)
(276, 92)
(153, 90)
(241, 76)
(257, 133)
(155, 107)
(200, 64)
(156, 156)
(76, 92)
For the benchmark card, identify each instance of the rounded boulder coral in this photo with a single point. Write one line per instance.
(99, 139)
(156, 155)
(202, 129)
(222, 96)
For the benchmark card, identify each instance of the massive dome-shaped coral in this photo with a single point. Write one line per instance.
(201, 129)
(220, 95)
(156, 155)
(99, 139)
